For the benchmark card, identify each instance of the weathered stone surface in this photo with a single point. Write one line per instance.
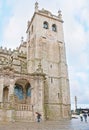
(34, 76)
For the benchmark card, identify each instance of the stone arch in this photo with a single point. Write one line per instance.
(5, 94)
(54, 27)
(28, 93)
(45, 25)
(22, 91)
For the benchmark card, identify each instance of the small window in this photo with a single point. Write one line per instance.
(54, 28)
(45, 25)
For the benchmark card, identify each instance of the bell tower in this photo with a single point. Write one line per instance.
(46, 46)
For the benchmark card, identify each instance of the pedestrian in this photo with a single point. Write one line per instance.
(38, 117)
(81, 116)
(85, 116)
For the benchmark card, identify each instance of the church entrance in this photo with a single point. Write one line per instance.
(23, 107)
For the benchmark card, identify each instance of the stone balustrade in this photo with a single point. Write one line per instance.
(17, 107)
(23, 107)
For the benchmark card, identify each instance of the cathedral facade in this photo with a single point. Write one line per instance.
(34, 76)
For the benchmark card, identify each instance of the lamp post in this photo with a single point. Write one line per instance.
(75, 103)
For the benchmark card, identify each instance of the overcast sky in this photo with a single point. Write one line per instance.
(14, 15)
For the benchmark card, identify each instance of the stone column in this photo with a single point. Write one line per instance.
(32, 83)
(1, 88)
(12, 100)
(12, 83)
(11, 89)
(39, 94)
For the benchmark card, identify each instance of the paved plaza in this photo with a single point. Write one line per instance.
(74, 124)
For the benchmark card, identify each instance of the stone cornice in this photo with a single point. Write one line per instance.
(42, 14)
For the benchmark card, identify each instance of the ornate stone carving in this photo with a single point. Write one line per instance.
(36, 6)
(39, 69)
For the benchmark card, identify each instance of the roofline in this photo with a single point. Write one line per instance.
(42, 15)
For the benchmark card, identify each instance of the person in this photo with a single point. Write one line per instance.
(81, 116)
(38, 117)
(85, 116)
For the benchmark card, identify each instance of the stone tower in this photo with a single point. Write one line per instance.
(46, 49)
(33, 77)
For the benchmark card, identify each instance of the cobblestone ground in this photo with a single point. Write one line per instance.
(74, 124)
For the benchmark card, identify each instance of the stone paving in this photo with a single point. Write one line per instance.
(74, 124)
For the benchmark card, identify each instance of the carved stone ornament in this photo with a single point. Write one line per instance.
(7, 70)
(39, 69)
(50, 35)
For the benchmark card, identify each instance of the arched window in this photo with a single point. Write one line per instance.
(19, 92)
(45, 25)
(5, 94)
(54, 28)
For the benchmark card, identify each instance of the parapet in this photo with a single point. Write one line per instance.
(20, 50)
(5, 50)
(48, 13)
